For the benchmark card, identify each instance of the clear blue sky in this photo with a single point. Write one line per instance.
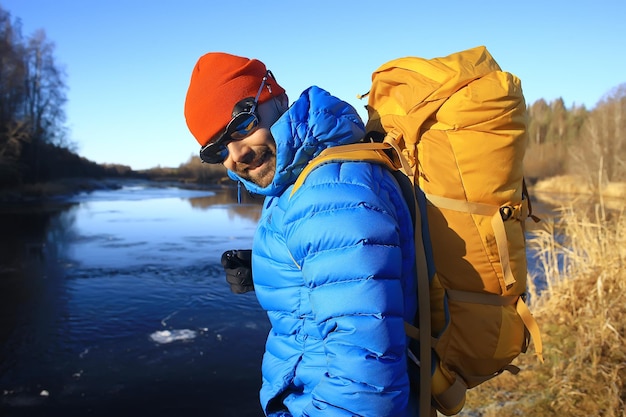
(128, 62)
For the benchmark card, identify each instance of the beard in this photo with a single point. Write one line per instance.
(262, 169)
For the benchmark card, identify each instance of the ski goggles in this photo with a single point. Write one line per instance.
(241, 125)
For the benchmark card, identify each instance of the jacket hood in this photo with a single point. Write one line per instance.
(314, 122)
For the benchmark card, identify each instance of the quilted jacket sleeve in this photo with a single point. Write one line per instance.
(343, 231)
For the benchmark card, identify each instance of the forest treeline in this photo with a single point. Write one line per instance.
(35, 145)
(590, 144)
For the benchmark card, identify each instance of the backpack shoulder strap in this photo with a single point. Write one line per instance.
(368, 152)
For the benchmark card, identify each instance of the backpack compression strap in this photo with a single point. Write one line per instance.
(497, 223)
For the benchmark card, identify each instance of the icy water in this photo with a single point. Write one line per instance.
(115, 303)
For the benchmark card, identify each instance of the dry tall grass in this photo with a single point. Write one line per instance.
(582, 315)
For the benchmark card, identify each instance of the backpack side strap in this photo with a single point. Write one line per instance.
(532, 326)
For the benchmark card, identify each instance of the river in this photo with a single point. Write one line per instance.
(114, 303)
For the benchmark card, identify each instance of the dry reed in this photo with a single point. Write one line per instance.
(581, 310)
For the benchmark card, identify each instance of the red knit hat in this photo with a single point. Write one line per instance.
(218, 82)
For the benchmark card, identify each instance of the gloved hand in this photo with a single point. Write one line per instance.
(238, 267)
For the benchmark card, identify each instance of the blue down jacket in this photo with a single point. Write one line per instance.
(333, 267)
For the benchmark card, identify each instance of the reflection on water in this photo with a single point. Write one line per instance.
(116, 303)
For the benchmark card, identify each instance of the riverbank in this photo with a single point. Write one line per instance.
(57, 189)
(565, 189)
(65, 188)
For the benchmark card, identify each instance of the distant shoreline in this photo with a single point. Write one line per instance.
(65, 188)
(566, 190)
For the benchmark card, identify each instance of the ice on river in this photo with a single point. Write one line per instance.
(168, 336)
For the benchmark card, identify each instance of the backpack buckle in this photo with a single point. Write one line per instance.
(506, 212)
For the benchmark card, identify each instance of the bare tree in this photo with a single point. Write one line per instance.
(45, 90)
(44, 98)
(558, 125)
(32, 100)
(12, 72)
(540, 117)
(601, 150)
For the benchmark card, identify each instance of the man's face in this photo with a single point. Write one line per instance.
(253, 158)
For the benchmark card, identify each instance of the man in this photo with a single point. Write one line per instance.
(333, 264)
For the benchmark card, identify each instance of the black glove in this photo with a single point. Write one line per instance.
(238, 267)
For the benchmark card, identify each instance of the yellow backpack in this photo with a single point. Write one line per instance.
(456, 127)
